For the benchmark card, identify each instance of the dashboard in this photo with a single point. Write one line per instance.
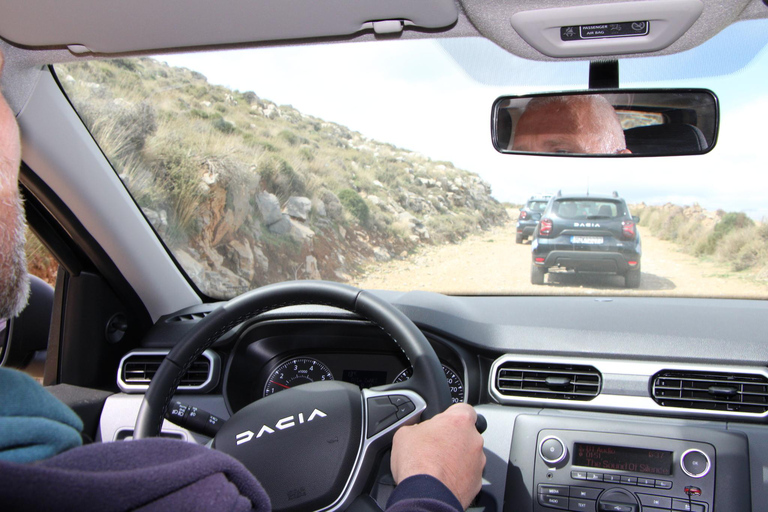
(620, 439)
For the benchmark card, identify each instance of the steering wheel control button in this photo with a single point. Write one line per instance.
(560, 502)
(193, 419)
(579, 475)
(552, 450)
(687, 506)
(647, 500)
(553, 490)
(381, 414)
(405, 409)
(695, 463)
(587, 493)
(398, 400)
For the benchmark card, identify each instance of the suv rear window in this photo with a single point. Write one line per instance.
(587, 209)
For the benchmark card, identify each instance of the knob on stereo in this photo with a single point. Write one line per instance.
(552, 450)
(695, 463)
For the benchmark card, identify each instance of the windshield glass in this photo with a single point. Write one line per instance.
(372, 164)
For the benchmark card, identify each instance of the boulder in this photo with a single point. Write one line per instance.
(381, 254)
(261, 259)
(241, 259)
(298, 207)
(191, 265)
(282, 226)
(319, 208)
(269, 207)
(310, 268)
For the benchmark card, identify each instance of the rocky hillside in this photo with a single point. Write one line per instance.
(246, 192)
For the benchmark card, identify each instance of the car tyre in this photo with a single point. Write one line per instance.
(519, 239)
(537, 274)
(632, 278)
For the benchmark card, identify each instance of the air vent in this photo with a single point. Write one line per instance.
(731, 392)
(548, 381)
(138, 367)
(191, 317)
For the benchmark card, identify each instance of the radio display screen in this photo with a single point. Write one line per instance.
(639, 460)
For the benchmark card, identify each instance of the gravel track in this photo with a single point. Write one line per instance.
(491, 263)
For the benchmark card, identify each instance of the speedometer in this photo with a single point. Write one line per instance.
(295, 372)
(454, 382)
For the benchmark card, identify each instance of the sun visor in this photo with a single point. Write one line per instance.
(117, 26)
(607, 29)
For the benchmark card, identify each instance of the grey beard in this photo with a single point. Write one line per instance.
(14, 281)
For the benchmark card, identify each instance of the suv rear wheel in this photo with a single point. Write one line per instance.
(518, 238)
(632, 278)
(537, 274)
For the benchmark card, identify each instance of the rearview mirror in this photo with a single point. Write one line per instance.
(617, 122)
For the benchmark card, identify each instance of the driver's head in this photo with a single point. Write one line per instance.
(14, 282)
(570, 124)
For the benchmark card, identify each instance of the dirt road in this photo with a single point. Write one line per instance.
(492, 263)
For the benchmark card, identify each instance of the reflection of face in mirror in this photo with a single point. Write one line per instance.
(585, 124)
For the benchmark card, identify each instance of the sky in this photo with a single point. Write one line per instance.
(435, 98)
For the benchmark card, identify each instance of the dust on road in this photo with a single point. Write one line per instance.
(492, 263)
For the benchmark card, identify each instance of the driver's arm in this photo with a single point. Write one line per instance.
(438, 464)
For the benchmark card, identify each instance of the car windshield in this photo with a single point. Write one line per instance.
(537, 206)
(372, 164)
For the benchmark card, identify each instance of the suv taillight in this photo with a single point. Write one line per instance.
(523, 215)
(545, 227)
(628, 229)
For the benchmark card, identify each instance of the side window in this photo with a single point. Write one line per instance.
(24, 339)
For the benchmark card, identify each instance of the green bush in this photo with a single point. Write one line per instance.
(730, 222)
(224, 126)
(355, 204)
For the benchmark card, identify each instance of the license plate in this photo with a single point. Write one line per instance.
(593, 240)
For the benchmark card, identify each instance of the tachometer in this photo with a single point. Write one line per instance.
(295, 372)
(454, 382)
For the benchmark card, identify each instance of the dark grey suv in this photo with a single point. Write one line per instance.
(585, 233)
(529, 217)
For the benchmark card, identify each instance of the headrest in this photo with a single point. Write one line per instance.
(665, 139)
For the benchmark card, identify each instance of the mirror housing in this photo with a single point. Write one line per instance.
(607, 122)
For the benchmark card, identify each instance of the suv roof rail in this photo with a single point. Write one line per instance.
(559, 193)
(615, 194)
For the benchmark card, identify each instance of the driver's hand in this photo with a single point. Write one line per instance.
(447, 447)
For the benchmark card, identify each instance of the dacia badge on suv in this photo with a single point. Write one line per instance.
(586, 233)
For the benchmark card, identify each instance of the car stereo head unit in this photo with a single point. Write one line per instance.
(611, 472)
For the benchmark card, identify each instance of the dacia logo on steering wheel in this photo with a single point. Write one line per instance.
(282, 424)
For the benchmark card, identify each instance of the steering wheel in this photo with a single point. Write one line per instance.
(311, 447)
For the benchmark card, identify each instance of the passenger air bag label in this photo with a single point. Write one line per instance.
(605, 30)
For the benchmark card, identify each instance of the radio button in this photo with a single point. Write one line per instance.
(577, 505)
(646, 482)
(695, 463)
(629, 480)
(595, 477)
(579, 475)
(587, 493)
(616, 507)
(552, 450)
(560, 502)
(684, 506)
(663, 484)
(553, 490)
(611, 478)
(647, 500)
